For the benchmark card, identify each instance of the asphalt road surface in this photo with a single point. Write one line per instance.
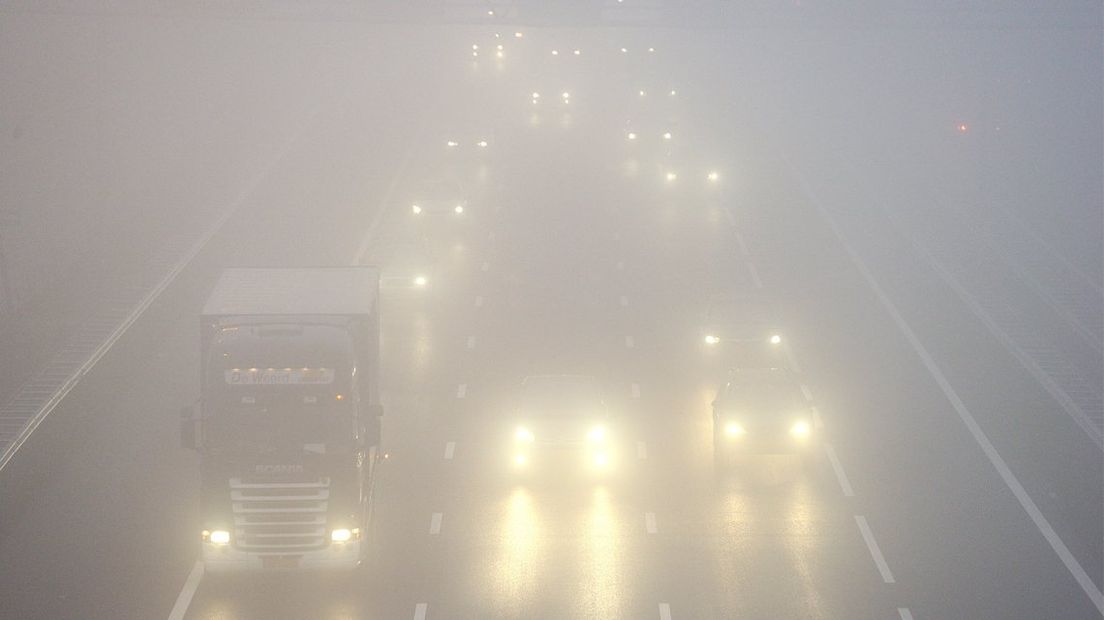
(586, 250)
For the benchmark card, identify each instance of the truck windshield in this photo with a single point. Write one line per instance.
(279, 425)
(280, 388)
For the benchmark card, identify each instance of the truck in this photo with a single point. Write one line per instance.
(287, 426)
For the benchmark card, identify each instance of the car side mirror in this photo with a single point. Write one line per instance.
(190, 427)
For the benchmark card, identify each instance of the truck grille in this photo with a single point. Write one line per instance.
(279, 518)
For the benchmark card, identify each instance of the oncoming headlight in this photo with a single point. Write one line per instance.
(524, 434)
(800, 429)
(596, 434)
(341, 535)
(217, 537)
(733, 429)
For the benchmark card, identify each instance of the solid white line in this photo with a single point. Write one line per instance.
(641, 450)
(875, 552)
(620, 265)
(435, 523)
(485, 266)
(635, 390)
(664, 611)
(450, 449)
(817, 421)
(478, 301)
(650, 522)
(807, 392)
(191, 584)
(794, 366)
(837, 467)
(754, 275)
(731, 220)
(630, 342)
(462, 390)
(740, 244)
(1072, 565)
(904, 613)
(624, 300)
(420, 611)
(471, 342)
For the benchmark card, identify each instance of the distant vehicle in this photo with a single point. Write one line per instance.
(288, 425)
(437, 197)
(761, 411)
(744, 331)
(561, 421)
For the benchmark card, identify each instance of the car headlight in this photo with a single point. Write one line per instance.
(597, 434)
(800, 429)
(712, 339)
(415, 209)
(523, 434)
(775, 339)
(218, 537)
(459, 209)
(344, 534)
(733, 429)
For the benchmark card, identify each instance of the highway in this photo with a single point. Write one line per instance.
(604, 216)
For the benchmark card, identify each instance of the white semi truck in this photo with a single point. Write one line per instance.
(288, 424)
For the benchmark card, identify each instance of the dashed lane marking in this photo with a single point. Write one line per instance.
(875, 552)
(1010, 480)
(435, 523)
(471, 342)
(184, 599)
(462, 390)
(807, 392)
(730, 217)
(450, 450)
(904, 613)
(664, 611)
(650, 522)
(754, 275)
(740, 244)
(837, 467)
(420, 611)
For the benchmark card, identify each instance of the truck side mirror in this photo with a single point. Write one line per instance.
(190, 430)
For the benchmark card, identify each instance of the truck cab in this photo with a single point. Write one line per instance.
(288, 425)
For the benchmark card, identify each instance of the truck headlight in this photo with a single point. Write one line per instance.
(596, 434)
(733, 429)
(217, 537)
(524, 435)
(800, 429)
(341, 535)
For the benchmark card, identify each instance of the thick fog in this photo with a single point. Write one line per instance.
(580, 309)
